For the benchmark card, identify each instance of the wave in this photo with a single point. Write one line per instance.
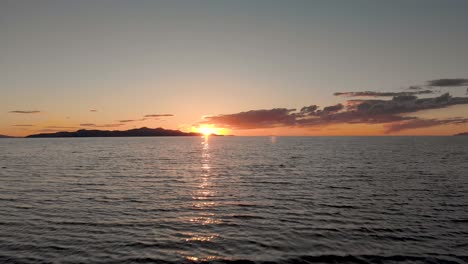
(352, 259)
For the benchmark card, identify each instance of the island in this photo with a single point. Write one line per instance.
(462, 134)
(138, 132)
(3, 136)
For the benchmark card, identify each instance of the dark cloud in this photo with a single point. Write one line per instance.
(309, 110)
(382, 94)
(88, 124)
(333, 108)
(406, 104)
(414, 87)
(159, 115)
(23, 125)
(448, 82)
(93, 110)
(25, 112)
(423, 123)
(131, 120)
(255, 119)
(395, 111)
(360, 111)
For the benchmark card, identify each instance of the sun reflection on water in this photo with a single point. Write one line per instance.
(202, 201)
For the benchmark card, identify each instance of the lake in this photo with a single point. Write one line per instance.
(226, 199)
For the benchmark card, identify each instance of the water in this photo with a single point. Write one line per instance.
(222, 199)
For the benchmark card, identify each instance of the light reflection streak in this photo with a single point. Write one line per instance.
(273, 139)
(202, 195)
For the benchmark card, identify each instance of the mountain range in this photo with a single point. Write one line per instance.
(138, 132)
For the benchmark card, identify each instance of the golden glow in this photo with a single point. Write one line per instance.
(209, 130)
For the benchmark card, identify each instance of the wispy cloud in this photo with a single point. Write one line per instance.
(21, 125)
(48, 130)
(131, 120)
(448, 82)
(415, 87)
(93, 110)
(109, 125)
(159, 115)
(62, 127)
(423, 123)
(25, 112)
(100, 126)
(382, 94)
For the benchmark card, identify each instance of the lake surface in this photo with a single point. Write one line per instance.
(222, 199)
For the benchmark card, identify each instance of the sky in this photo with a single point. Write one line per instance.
(251, 67)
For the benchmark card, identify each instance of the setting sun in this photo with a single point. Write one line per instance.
(209, 130)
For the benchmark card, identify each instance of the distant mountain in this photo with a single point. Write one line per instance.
(462, 134)
(139, 132)
(3, 136)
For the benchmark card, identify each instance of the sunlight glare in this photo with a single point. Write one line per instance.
(207, 130)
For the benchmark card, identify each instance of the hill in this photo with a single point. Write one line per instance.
(462, 134)
(139, 132)
(3, 136)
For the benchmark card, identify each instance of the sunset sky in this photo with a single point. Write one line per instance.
(251, 67)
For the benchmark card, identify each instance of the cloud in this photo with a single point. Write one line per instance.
(131, 120)
(362, 111)
(333, 108)
(159, 115)
(47, 130)
(105, 125)
(255, 119)
(93, 110)
(109, 125)
(309, 110)
(23, 125)
(383, 94)
(448, 82)
(407, 104)
(61, 127)
(395, 114)
(25, 112)
(415, 87)
(423, 123)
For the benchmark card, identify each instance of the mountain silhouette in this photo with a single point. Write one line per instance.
(138, 132)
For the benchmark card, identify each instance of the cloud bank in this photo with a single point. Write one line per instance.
(395, 114)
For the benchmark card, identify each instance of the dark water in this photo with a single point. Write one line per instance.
(286, 200)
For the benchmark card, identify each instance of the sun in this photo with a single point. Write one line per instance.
(207, 130)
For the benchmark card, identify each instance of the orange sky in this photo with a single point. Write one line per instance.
(190, 59)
